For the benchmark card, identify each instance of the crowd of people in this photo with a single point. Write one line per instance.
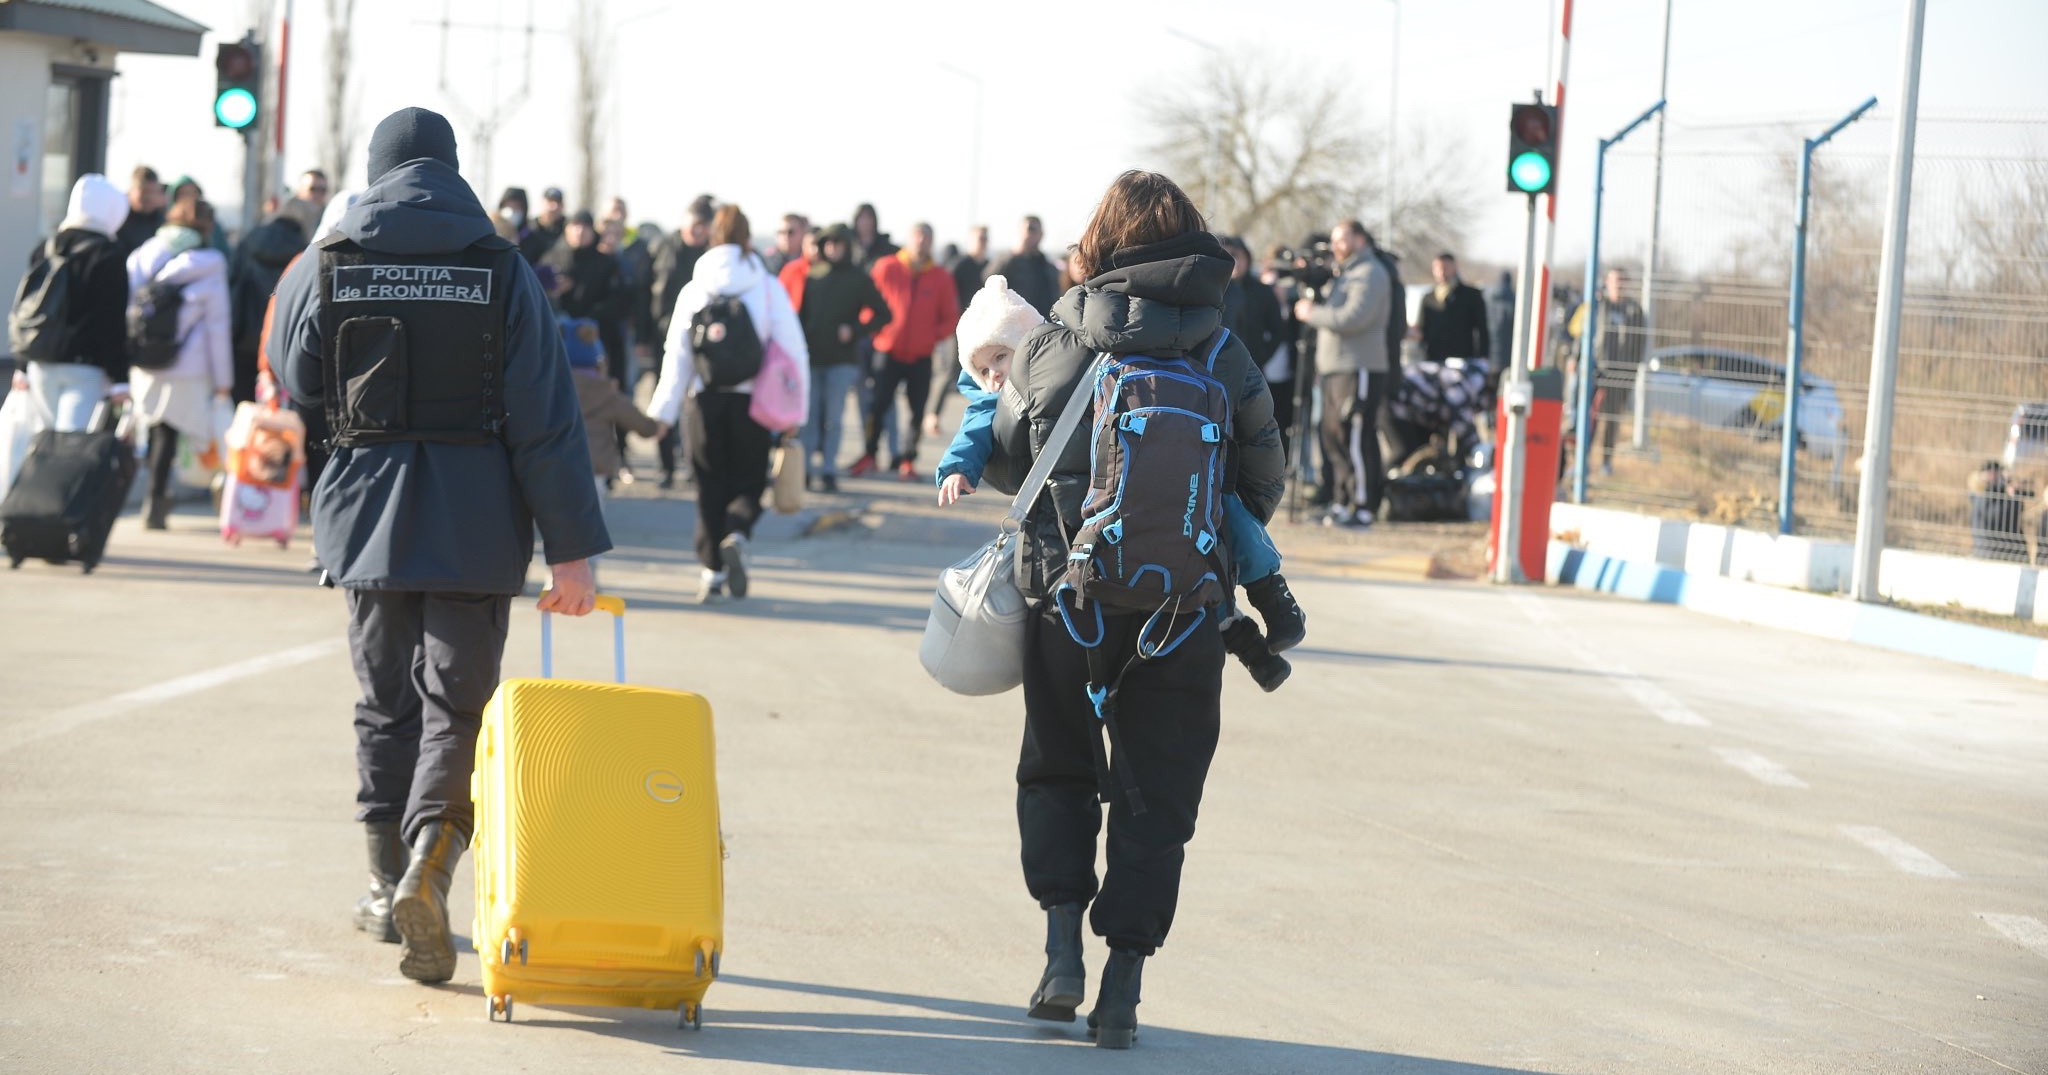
(471, 375)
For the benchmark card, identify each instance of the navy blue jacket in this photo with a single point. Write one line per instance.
(446, 517)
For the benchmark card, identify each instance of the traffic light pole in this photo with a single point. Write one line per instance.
(1582, 399)
(1516, 392)
(1795, 346)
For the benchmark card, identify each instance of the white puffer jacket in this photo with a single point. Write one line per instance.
(725, 270)
(204, 324)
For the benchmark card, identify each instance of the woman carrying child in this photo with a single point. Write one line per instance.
(1153, 284)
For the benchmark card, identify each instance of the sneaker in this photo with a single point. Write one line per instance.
(710, 586)
(862, 467)
(668, 480)
(828, 483)
(906, 470)
(1348, 518)
(625, 476)
(1607, 470)
(733, 553)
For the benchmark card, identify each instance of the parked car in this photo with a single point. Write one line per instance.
(1726, 389)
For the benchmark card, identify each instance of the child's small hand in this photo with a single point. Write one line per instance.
(953, 488)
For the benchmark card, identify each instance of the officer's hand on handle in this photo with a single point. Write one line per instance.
(661, 431)
(573, 591)
(1303, 308)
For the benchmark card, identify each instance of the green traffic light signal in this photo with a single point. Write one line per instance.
(1530, 172)
(235, 108)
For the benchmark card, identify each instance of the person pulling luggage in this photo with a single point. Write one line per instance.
(455, 430)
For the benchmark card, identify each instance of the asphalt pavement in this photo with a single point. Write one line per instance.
(1480, 831)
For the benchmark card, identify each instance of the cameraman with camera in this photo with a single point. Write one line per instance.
(1351, 368)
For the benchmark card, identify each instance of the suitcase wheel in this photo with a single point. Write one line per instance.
(498, 1006)
(690, 1016)
(512, 943)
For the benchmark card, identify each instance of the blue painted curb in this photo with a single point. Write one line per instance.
(1810, 613)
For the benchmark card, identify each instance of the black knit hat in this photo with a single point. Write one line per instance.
(410, 134)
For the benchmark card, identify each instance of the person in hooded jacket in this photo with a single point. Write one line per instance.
(179, 401)
(1154, 284)
(839, 307)
(426, 511)
(67, 388)
(728, 449)
(259, 262)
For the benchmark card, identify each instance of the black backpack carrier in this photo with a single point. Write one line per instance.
(727, 348)
(415, 342)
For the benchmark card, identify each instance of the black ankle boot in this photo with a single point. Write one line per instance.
(420, 904)
(1286, 623)
(158, 514)
(1114, 1022)
(1241, 637)
(387, 864)
(1065, 982)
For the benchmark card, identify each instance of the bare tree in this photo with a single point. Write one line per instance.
(338, 140)
(593, 63)
(1272, 152)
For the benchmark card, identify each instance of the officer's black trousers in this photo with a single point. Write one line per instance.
(428, 663)
(1167, 713)
(729, 453)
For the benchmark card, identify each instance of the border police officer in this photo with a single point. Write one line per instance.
(455, 430)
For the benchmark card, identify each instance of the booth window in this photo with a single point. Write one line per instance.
(74, 135)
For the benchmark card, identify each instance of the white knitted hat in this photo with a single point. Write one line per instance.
(997, 318)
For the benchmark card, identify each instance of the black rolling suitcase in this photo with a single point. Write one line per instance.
(71, 489)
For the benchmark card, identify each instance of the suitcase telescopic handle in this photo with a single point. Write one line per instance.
(605, 603)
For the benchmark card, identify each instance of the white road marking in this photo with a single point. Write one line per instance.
(20, 733)
(1898, 852)
(2026, 932)
(1756, 765)
(1650, 696)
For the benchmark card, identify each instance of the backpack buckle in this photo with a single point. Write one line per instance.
(1204, 542)
(1131, 423)
(1212, 433)
(1113, 533)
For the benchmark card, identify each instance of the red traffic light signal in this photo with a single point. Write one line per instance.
(234, 62)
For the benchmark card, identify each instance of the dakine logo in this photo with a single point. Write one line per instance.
(664, 786)
(411, 283)
(1187, 521)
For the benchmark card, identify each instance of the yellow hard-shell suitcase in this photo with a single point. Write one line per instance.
(599, 864)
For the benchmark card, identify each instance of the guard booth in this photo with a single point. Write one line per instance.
(56, 65)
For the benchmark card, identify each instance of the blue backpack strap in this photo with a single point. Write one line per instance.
(1215, 348)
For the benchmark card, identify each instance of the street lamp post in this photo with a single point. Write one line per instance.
(974, 157)
(1393, 120)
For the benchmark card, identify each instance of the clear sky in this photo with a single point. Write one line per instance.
(818, 106)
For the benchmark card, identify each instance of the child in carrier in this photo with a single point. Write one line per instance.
(606, 407)
(990, 331)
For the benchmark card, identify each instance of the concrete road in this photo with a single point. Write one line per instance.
(1480, 831)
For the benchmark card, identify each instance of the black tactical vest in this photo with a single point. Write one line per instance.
(415, 342)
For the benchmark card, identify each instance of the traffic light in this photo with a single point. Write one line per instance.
(1532, 149)
(238, 84)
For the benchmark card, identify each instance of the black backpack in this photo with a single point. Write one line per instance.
(728, 349)
(1152, 525)
(40, 325)
(153, 340)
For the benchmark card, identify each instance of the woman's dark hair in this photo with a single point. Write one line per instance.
(730, 226)
(1140, 208)
(866, 210)
(196, 214)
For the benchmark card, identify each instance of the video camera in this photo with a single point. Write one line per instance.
(1311, 264)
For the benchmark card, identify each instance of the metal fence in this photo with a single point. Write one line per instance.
(1710, 393)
